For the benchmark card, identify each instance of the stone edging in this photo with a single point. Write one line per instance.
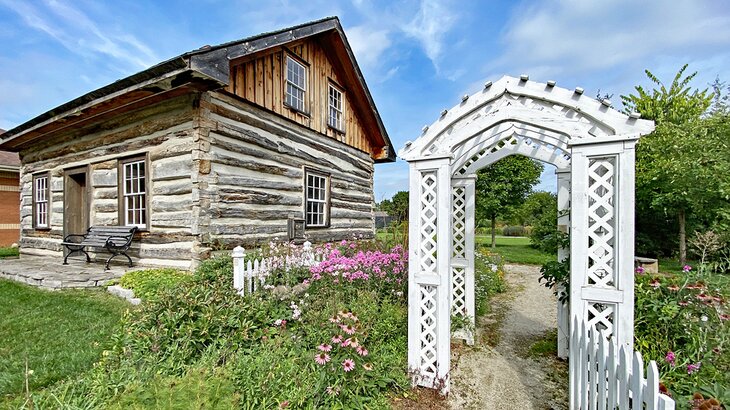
(127, 294)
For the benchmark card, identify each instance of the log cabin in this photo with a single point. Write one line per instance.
(218, 147)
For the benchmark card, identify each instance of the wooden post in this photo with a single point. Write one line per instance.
(563, 314)
(239, 267)
(429, 274)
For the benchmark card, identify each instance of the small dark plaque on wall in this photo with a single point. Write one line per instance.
(295, 228)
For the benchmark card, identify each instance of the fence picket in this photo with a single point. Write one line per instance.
(623, 381)
(637, 381)
(593, 376)
(584, 367)
(651, 393)
(601, 381)
(612, 376)
(605, 376)
(573, 365)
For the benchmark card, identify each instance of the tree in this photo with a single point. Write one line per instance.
(677, 104)
(504, 185)
(672, 163)
(397, 207)
(535, 206)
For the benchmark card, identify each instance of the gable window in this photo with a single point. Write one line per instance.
(133, 195)
(41, 193)
(336, 110)
(316, 208)
(296, 84)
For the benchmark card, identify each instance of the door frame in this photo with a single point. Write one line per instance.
(67, 174)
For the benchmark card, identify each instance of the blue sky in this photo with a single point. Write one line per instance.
(418, 56)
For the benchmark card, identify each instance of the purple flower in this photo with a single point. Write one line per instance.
(686, 268)
(640, 270)
(670, 358)
(691, 368)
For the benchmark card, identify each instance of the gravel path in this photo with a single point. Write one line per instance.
(497, 372)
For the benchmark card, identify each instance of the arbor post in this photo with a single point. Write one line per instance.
(429, 274)
(563, 176)
(463, 192)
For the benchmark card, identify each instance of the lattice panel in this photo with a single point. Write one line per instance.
(429, 220)
(520, 145)
(458, 291)
(428, 358)
(601, 315)
(493, 107)
(601, 221)
(458, 221)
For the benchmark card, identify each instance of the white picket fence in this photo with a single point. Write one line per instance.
(250, 275)
(604, 377)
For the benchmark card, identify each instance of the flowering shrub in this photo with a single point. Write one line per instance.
(682, 323)
(345, 264)
(343, 358)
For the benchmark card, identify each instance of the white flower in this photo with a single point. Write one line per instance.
(703, 318)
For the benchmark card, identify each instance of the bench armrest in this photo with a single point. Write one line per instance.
(74, 238)
(119, 241)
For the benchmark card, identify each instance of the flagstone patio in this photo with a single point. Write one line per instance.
(50, 273)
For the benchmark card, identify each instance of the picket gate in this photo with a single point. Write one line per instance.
(605, 377)
(250, 275)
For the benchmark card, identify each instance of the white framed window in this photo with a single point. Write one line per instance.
(316, 191)
(41, 193)
(335, 118)
(133, 207)
(296, 84)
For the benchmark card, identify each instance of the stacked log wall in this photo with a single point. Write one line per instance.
(256, 179)
(164, 133)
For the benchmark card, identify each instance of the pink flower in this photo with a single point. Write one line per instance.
(322, 358)
(325, 348)
(345, 343)
(336, 339)
(348, 365)
(334, 319)
(655, 283)
(362, 351)
(349, 329)
(683, 303)
(333, 391)
(686, 268)
(640, 270)
(691, 368)
(670, 358)
(673, 288)
(724, 316)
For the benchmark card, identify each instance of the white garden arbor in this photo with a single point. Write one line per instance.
(592, 147)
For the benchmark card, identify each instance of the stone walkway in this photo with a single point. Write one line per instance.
(50, 273)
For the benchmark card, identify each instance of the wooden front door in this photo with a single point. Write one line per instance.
(75, 201)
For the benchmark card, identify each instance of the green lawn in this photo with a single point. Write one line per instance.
(60, 334)
(8, 252)
(515, 249)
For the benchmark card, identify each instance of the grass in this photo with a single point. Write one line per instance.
(516, 249)
(60, 334)
(8, 252)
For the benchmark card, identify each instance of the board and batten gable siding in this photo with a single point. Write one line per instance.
(256, 180)
(165, 135)
(261, 80)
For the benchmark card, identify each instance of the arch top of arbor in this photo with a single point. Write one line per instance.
(568, 113)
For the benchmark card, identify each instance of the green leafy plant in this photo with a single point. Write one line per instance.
(148, 283)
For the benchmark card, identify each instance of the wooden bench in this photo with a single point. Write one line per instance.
(115, 239)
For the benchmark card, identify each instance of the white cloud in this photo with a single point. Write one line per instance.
(596, 35)
(430, 26)
(80, 34)
(368, 44)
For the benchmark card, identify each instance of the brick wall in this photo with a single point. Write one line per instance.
(9, 208)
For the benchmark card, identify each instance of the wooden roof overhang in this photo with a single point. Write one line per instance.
(205, 69)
